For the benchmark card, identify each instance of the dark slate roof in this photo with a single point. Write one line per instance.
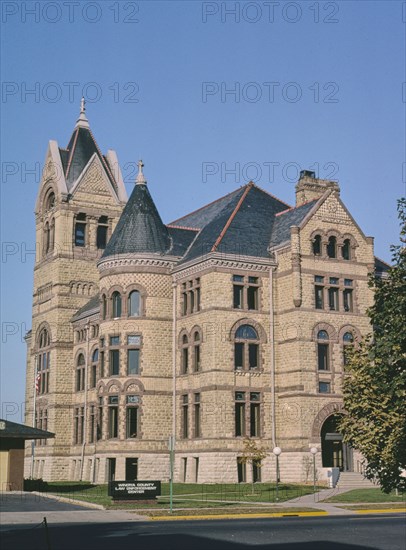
(182, 238)
(240, 225)
(201, 217)
(140, 228)
(21, 431)
(283, 222)
(91, 307)
(75, 157)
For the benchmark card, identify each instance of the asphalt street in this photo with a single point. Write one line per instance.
(327, 533)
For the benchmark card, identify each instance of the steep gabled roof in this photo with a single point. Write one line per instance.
(284, 220)
(140, 228)
(182, 238)
(241, 223)
(81, 147)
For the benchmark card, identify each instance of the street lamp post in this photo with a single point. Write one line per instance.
(314, 452)
(277, 451)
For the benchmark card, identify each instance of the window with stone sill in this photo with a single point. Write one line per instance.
(94, 368)
(116, 305)
(197, 415)
(247, 414)
(101, 235)
(80, 230)
(134, 304)
(133, 354)
(323, 351)
(78, 425)
(246, 348)
(113, 416)
(348, 344)
(132, 416)
(336, 290)
(185, 417)
(245, 292)
(324, 387)
(114, 356)
(185, 355)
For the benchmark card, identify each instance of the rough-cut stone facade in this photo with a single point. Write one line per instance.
(281, 390)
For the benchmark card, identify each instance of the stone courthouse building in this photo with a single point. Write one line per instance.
(231, 322)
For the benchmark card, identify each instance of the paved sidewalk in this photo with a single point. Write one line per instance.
(316, 501)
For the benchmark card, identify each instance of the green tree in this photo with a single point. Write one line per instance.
(252, 454)
(375, 383)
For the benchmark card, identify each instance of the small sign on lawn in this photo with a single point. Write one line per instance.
(134, 490)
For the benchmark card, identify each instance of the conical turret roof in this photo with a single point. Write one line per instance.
(140, 228)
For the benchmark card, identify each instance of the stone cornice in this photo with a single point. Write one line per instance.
(222, 261)
(135, 261)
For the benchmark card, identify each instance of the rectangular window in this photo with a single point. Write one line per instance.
(101, 239)
(333, 299)
(133, 340)
(253, 355)
(114, 340)
(80, 231)
(252, 297)
(324, 387)
(185, 416)
(93, 377)
(133, 361)
(237, 296)
(255, 419)
(347, 299)
(323, 358)
(238, 355)
(114, 362)
(347, 282)
(131, 422)
(111, 469)
(197, 415)
(241, 471)
(239, 419)
(184, 468)
(185, 360)
(113, 422)
(196, 469)
(99, 432)
(92, 422)
(196, 358)
(318, 297)
(333, 280)
(256, 471)
(318, 279)
(101, 364)
(184, 302)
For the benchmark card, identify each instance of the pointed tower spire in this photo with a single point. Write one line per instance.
(82, 121)
(140, 179)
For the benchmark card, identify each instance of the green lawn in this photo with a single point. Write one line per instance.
(367, 495)
(186, 495)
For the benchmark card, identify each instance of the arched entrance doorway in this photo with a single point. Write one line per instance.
(334, 452)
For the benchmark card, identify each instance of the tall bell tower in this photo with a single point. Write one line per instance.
(79, 201)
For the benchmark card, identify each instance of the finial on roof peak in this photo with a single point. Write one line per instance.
(82, 121)
(140, 179)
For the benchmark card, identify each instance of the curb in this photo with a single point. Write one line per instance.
(69, 500)
(240, 516)
(380, 511)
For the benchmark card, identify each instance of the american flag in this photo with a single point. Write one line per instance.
(37, 381)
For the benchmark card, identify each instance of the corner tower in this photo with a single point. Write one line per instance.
(80, 199)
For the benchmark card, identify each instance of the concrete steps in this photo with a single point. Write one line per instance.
(354, 480)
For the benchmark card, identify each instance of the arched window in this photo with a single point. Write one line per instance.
(43, 363)
(101, 237)
(246, 348)
(116, 304)
(346, 249)
(80, 372)
(185, 354)
(348, 343)
(80, 230)
(196, 351)
(134, 303)
(317, 245)
(332, 247)
(93, 371)
(104, 306)
(50, 201)
(323, 350)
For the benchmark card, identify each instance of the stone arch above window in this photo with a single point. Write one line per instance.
(349, 329)
(247, 346)
(133, 386)
(324, 327)
(114, 386)
(116, 304)
(256, 326)
(49, 200)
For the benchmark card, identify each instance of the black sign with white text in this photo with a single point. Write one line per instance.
(134, 490)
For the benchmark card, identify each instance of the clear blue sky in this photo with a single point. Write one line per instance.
(317, 84)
